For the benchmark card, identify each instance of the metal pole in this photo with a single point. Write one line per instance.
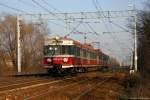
(131, 66)
(18, 45)
(135, 44)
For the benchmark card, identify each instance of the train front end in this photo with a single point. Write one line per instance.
(58, 55)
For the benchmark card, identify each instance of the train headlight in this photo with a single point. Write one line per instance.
(49, 60)
(65, 59)
(50, 48)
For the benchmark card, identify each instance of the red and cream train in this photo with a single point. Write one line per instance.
(64, 54)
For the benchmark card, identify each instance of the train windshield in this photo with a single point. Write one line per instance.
(58, 49)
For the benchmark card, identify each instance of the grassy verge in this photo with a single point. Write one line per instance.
(136, 86)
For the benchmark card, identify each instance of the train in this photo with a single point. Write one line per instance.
(63, 54)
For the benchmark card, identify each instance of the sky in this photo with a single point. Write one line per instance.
(118, 45)
(71, 5)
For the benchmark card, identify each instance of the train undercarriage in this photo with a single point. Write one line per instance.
(58, 70)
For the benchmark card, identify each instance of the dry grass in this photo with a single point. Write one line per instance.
(136, 87)
(107, 91)
(142, 89)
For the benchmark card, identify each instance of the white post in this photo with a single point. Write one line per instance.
(18, 45)
(131, 66)
(135, 44)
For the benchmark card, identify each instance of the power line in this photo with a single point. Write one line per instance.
(95, 4)
(24, 2)
(45, 2)
(97, 34)
(75, 28)
(119, 26)
(37, 3)
(60, 25)
(91, 28)
(16, 9)
(126, 30)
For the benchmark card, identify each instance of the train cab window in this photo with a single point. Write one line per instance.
(51, 50)
(57, 49)
(45, 50)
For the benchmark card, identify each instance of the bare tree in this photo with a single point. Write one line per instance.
(32, 39)
(8, 36)
(143, 31)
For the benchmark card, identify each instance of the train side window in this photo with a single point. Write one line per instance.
(93, 55)
(81, 52)
(70, 49)
(73, 49)
(89, 54)
(78, 51)
(64, 49)
(84, 53)
(97, 57)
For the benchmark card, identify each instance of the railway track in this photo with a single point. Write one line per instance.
(90, 89)
(42, 93)
(70, 87)
(22, 79)
(5, 81)
(87, 83)
(29, 85)
(22, 83)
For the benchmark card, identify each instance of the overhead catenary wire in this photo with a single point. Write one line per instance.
(127, 47)
(100, 13)
(45, 2)
(47, 10)
(48, 4)
(93, 31)
(15, 9)
(121, 27)
(74, 29)
(37, 3)
(92, 28)
(126, 30)
(110, 21)
(25, 2)
(97, 3)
